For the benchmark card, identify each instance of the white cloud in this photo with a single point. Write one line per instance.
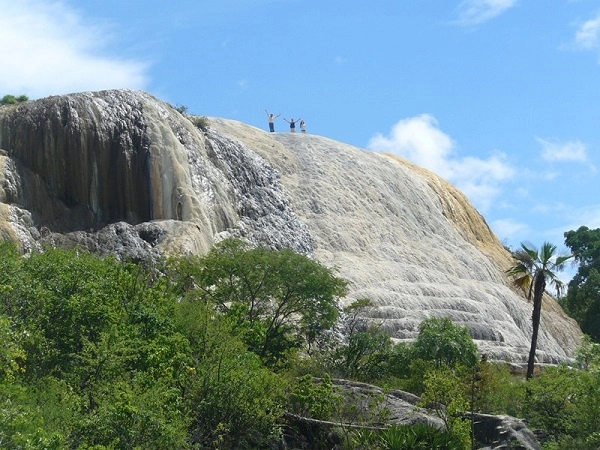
(587, 36)
(474, 12)
(563, 151)
(48, 49)
(419, 140)
(503, 228)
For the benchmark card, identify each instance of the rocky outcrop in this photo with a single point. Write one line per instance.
(370, 403)
(122, 172)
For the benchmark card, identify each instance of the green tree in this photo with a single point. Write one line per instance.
(440, 344)
(443, 343)
(532, 270)
(444, 395)
(99, 332)
(365, 354)
(582, 301)
(277, 300)
(235, 400)
(565, 403)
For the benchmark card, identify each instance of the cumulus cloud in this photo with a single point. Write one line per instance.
(474, 12)
(587, 36)
(48, 49)
(563, 151)
(420, 140)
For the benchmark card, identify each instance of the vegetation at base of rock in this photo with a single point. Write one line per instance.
(13, 100)
(276, 301)
(405, 437)
(99, 353)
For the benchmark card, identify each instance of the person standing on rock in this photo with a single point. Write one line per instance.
(302, 126)
(272, 118)
(292, 123)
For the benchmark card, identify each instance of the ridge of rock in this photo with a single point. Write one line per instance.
(125, 173)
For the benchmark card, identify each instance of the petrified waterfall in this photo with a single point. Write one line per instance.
(122, 172)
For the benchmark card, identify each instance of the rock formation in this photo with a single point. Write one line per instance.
(122, 172)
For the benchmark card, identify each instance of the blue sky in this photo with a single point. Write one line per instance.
(500, 97)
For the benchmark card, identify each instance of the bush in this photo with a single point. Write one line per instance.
(444, 344)
(201, 122)
(12, 100)
(316, 400)
(406, 437)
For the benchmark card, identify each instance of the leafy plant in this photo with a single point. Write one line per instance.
(276, 301)
(532, 270)
(314, 398)
(405, 437)
(444, 344)
(201, 122)
(445, 396)
(12, 100)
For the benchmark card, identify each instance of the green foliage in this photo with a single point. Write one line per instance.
(201, 122)
(445, 395)
(533, 269)
(588, 354)
(442, 343)
(181, 109)
(564, 402)
(12, 355)
(12, 100)
(314, 398)
(237, 400)
(28, 414)
(493, 390)
(100, 332)
(406, 437)
(582, 301)
(365, 356)
(101, 354)
(277, 301)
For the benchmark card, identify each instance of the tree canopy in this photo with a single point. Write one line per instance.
(582, 301)
(276, 300)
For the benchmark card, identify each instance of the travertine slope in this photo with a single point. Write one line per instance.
(122, 172)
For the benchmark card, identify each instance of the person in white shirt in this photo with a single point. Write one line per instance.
(272, 118)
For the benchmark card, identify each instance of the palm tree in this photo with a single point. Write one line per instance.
(532, 270)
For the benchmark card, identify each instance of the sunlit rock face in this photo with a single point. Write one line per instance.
(122, 172)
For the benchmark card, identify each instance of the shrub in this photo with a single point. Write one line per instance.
(445, 344)
(12, 100)
(201, 122)
(406, 437)
(312, 399)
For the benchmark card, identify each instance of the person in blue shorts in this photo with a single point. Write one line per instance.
(272, 118)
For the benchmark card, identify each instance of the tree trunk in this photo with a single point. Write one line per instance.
(538, 293)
